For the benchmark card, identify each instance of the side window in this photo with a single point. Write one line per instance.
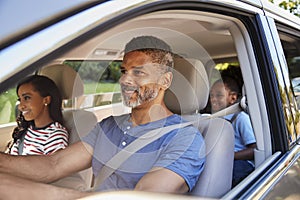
(100, 78)
(291, 46)
(8, 101)
(8, 110)
(224, 69)
(288, 186)
(217, 41)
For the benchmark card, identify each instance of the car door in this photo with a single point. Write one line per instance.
(217, 33)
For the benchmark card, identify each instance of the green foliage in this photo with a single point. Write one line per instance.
(91, 88)
(96, 71)
(8, 101)
(291, 5)
(115, 71)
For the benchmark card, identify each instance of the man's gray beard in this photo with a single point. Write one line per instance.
(148, 96)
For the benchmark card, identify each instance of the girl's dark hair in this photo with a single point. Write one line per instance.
(46, 87)
(21, 129)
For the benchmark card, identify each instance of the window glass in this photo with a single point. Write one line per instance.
(217, 70)
(8, 101)
(291, 46)
(100, 78)
(288, 186)
(208, 39)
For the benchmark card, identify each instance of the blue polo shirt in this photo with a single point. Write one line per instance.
(181, 150)
(243, 131)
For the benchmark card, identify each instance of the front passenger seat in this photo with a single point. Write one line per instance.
(78, 122)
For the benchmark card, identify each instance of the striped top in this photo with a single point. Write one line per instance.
(43, 141)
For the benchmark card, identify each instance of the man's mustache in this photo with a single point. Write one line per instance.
(129, 88)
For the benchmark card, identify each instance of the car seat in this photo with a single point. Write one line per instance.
(187, 95)
(78, 122)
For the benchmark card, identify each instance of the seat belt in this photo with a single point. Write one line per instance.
(234, 108)
(116, 161)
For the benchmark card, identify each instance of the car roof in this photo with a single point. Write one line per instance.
(21, 18)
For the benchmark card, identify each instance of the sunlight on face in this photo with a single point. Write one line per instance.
(140, 79)
(218, 97)
(139, 95)
(31, 103)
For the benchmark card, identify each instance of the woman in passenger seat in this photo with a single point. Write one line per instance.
(224, 93)
(40, 129)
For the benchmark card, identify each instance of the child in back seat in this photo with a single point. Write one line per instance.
(226, 92)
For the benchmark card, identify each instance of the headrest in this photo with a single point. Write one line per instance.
(190, 87)
(67, 80)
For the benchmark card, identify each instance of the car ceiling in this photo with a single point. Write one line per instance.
(186, 31)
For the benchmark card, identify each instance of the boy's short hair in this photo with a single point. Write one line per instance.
(232, 84)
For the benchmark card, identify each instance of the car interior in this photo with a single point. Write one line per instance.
(205, 45)
(201, 40)
(189, 79)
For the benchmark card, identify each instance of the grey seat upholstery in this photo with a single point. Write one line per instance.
(216, 178)
(78, 122)
(191, 89)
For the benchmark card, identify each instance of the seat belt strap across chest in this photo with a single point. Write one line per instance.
(116, 161)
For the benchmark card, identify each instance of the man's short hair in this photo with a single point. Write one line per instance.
(147, 42)
(157, 49)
